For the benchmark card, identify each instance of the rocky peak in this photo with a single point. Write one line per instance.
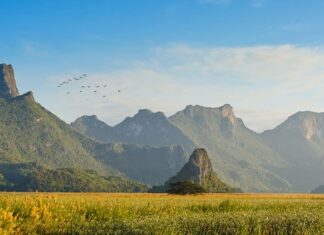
(200, 171)
(309, 124)
(8, 88)
(143, 112)
(226, 110)
(200, 163)
(197, 168)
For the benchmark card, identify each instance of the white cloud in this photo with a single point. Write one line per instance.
(34, 49)
(264, 84)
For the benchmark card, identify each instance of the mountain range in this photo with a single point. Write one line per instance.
(288, 158)
(30, 133)
(150, 148)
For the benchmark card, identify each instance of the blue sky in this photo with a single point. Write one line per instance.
(265, 57)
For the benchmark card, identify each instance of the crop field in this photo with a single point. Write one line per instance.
(96, 213)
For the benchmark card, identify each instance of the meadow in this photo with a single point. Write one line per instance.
(104, 213)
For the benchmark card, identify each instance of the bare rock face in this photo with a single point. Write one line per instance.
(8, 88)
(199, 164)
(199, 170)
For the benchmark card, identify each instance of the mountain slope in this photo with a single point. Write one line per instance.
(145, 128)
(150, 165)
(30, 133)
(239, 155)
(300, 141)
(32, 177)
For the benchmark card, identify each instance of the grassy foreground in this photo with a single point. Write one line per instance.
(87, 213)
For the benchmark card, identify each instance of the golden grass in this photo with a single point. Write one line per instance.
(123, 213)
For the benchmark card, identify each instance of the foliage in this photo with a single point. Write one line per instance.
(32, 177)
(255, 214)
(30, 133)
(185, 187)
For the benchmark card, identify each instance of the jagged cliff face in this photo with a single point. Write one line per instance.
(8, 88)
(200, 171)
(199, 163)
(310, 125)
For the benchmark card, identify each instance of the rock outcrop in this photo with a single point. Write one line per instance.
(8, 88)
(199, 170)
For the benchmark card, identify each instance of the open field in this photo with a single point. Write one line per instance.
(90, 213)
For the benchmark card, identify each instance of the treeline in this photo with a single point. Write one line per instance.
(24, 177)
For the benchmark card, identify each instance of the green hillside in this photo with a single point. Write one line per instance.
(150, 165)
(32, 177)
(300, 142)
(241, 156)
(32, 134)
(238, 154)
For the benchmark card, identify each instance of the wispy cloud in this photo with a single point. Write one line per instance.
(272, 81)
(257, 3)
(34, 49)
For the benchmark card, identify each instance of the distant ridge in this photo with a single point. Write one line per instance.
(145, 128)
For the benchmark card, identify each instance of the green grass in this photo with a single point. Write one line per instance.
(32, 213)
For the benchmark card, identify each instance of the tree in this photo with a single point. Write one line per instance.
(185, 187)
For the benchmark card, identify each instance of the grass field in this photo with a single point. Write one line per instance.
(86, 213)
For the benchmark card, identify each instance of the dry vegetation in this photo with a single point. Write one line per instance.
(96, 213)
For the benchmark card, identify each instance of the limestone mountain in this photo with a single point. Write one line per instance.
(91, 126)
(300, 141)
(30, 133)
(240, 156)
(199, 170)
(8, 88)
(145, 128)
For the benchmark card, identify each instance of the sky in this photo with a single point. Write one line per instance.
(264, 57)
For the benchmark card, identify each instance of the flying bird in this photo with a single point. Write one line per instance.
(67, 92)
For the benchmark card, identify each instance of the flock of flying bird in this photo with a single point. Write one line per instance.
(62, 84)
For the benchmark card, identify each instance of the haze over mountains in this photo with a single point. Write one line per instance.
(243, 158)
(150, 147)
